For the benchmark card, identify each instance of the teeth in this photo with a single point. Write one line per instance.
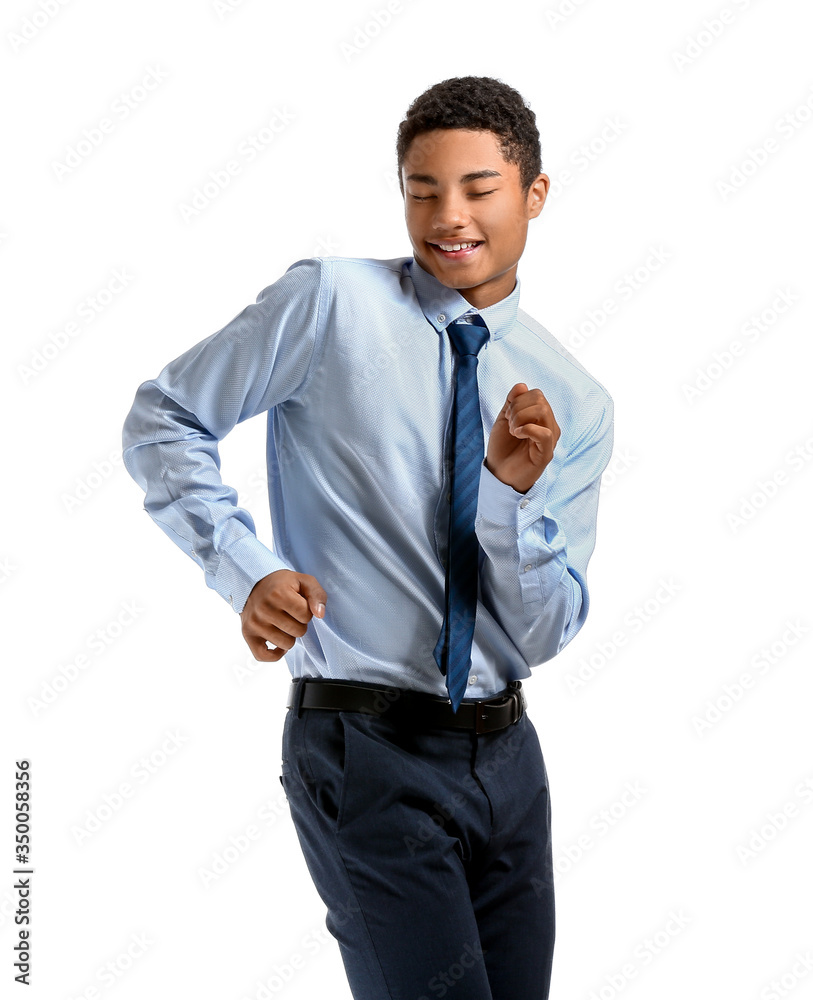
(455, 246)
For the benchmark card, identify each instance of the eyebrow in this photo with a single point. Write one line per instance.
(465, 179)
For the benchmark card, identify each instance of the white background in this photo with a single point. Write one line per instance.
(700, 189)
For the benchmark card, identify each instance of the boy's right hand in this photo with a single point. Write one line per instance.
(278, 609)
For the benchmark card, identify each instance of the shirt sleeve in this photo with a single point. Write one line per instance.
(170, 436)
(537, 545)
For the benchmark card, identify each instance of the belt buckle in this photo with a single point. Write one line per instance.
(516, 698)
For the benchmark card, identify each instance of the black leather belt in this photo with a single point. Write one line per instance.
(416, 707)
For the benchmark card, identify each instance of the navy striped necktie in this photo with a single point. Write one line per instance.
(453, 650)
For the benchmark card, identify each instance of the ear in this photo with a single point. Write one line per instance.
(537, 193)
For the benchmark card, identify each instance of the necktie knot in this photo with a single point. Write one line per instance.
(468, 338)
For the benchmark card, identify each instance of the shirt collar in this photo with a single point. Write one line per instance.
(442, 305)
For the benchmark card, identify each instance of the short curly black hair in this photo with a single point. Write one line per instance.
(479, 103)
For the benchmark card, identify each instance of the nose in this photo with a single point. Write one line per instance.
(450, 212)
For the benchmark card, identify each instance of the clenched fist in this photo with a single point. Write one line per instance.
(278, 609)
(522, 439)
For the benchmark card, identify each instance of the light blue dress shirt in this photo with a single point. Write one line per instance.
(350, 359)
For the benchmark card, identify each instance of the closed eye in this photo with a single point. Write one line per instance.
(474, 194)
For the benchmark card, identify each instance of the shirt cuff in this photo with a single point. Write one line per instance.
(500, 503)
(241, 565)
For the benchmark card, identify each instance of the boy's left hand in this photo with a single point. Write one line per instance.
(522, 439)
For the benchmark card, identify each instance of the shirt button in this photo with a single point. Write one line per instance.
(472, 678)
(524, 503)
(441, 317)
(527, 568)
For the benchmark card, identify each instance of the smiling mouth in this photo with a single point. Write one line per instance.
(455, 250)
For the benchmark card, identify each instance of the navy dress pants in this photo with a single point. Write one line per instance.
(431, 849)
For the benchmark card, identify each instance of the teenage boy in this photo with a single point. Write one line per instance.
(434, 459)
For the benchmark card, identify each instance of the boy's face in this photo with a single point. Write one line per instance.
(447, 203)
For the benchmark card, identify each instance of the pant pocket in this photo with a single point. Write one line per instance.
(319, 759)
